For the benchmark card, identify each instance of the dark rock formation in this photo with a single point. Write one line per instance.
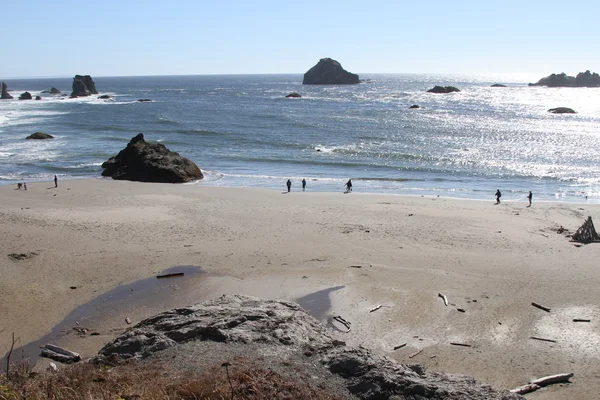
(5, 95)
(25, 96)
(83, 85)
(38, 97)
(443, 89)
(40, 135)
(104, 96)
(329, 72)
(498, 85)
(583, 79)
(562, 110)
(415, 106)
(52, 90)
(150, 162)
(293, 94)
(144, 100)
(283, 329)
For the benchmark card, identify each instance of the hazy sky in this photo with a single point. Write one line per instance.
(152, 37)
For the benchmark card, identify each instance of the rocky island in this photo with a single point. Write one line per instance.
(443, 89)
(5, 95)
(583, 79)
(83, 85)
(329, 72)
(150, 162)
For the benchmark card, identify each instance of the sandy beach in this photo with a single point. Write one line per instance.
(87, 237)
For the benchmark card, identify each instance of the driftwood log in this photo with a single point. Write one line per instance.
(586, 233)
(375, 308)
(416, 353)
(60, 354)
(444, 298)
(541, 382)
(543, 339)
(399, 346)
(541, 307)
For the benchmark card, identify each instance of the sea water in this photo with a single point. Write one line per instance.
(242, 131)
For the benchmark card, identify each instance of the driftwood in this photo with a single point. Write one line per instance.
(356, 266)
(399, 346)
(416, 353)
(542, 339)
(445, 299)
(375, 308)
(60, 354)
(170, 275)
(581, 320)
(541, 382)
(541, 307)
(586, 233)
(128, 320)
(460, 344)
(460, 309)
(342, 321)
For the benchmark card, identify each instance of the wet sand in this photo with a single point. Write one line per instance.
(492, 261)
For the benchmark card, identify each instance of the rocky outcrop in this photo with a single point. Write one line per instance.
(38, 97)
(25, 96)
(415, 106)
(52, 90)
(329, 72)
(498, 85)
(40, 135)
(562, 110)
(150, 162)
(104, 97)
(83, 85)
(293, 94)
(443, 89)
(283, 328)
(583, 79)
(144, 101)
(5, 95)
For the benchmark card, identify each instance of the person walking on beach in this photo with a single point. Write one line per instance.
(498, 195)
(55, 181)
(529, 197)
(349, 186)
(24, 186)
(289, 185)
(303, 184)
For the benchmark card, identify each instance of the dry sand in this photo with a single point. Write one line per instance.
(491, 260)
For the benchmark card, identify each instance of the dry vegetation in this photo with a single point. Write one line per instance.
(137, 381)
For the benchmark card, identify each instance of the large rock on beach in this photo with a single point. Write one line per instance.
(281, 330)
(562, 110)
(5, 95)
(443, 89)
(150, 162)
(83, 85)
(583, 79)
(25, 96)
(40, 135)
(329, 72)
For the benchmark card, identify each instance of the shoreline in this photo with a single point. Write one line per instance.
(491, 261)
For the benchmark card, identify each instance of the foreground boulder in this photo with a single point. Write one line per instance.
(329, 72)
(562, 110)
(150, 162)
(40, 135)
(283, 330)
(583, 79)
(83, 85)
(443, 89)
(25, 96)
(5, 95)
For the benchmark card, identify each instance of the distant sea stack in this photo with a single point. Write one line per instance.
(583, 79)
(329, 72)
(5, 95)
(150, 162)
(443, 89)
(83, 86)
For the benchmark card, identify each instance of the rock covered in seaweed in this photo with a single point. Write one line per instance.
(281, 329)
(329, 72)
(150, 162)
(5, 95)
(83, 85)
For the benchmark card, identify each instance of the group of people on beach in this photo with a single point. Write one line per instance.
(498, 195)
(23, 185)
(289, 185)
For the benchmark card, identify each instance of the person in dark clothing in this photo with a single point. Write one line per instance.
(289, 185)
(55, 181)
(303, 184)
(498, 195)
(349, 186)
(529, 197)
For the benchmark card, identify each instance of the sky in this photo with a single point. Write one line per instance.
(44, 38)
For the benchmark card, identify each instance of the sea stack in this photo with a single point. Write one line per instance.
(25, 96)
(329, 72)
(583, 79)
(83, 85)
(5, 95)
(150, 162)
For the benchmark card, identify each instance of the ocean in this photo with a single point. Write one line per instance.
(243, 132)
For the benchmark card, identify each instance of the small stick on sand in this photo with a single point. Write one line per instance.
(541, 307)
(375, 308)
(541, 382)
(460, 344)
(399, 346)
(582, 320)
(356, 266)
(343, 321)
(542, 339)
(460, 309)
(445, 299)
(415, 353)
(170, 275)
